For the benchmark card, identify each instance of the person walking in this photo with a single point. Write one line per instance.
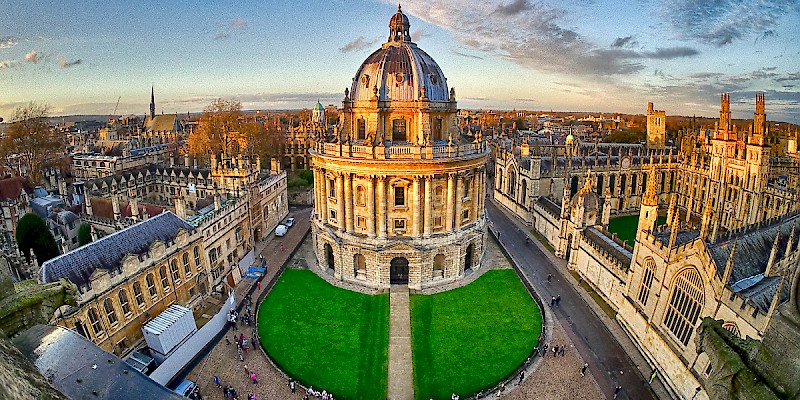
(617, 389)
(558, 299)
(216, 381)
(549, 278)
(253, 378)
(291, 385)
(281, 246)
(553, 301)
(258, 285)
(521, 377)
(583, 369)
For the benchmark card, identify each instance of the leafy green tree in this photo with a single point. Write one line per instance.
(32, 233)
(307, 176)
(84, 234)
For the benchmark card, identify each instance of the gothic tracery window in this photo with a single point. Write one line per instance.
(647, 280)
(685, 303)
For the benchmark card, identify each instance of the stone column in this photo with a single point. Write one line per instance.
(476, 195)
(459, 202)
(340, 214)
(451, 199)
(348, 201)
(416, 225)
(381, 214)
(426, 232)
(371, 207)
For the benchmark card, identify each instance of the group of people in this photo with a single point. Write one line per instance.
(324, 395)
(556, 300)
(230, 393)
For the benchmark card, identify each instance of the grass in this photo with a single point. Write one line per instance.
(331, 338)
(625, 227)
(595, 296)
(468, 339)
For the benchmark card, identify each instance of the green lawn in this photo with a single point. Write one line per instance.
(625, 227)
(468, 339)
(330, 338)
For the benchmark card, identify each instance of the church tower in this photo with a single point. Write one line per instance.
(656, 127)
(152, 103)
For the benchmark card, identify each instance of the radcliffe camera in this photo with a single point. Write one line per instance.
(431, 200)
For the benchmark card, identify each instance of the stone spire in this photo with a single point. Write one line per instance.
(773, 255)
(729, 264)
(88, 200)
(180, 204)
(705, 223)
(115, 206)
(565, 197)
(789, 244)
(675, 225)
(606, 208)
(650, 196)
(152, 102)
(673, 201)
(134, 203)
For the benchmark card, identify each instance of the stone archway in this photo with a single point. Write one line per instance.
(398, 271)
(329, 258)
(468, 258)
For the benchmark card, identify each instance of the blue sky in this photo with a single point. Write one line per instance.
(580, 55)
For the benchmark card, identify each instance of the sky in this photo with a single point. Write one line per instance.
(81, 56)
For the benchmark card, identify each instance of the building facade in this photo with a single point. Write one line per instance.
(727, 250)
(399, 193)
(127, 278)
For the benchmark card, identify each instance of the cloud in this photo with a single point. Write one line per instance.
(515, 7)
(7, 64)
(532, 34)
(670, 53)
(63, 63)
(461, 54)
(8, 42)
(32, 57)
(626, 41)
(721, 22)
(418, 34)
(227, 30)
(357, 44)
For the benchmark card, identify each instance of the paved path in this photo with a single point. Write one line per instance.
(608, 362)
(401, 372)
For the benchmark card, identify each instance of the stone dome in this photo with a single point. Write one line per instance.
(399, 70)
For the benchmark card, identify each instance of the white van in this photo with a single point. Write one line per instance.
(281, 230)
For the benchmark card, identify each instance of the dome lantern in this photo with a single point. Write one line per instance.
(398, 27)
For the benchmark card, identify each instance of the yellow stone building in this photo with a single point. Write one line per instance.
(399, 192)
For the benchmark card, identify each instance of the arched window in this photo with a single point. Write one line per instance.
(362, 129)
(187, 268)
(94, 320)
(685, 302)
(151, 285)
(731, 327)
(123, 303)
(523, 193)
(162, 273)
(647, 280)
(108, 306)
(137, 294)
(512, 183)
(196, 257)
(467, 185)
(399, 130)
(438, 266)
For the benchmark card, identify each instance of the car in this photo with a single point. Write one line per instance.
(281, 230)
(187, 389)
(289, 222)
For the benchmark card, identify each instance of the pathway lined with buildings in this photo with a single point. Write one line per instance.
(608, 361)
(222, 359)
(400, 366)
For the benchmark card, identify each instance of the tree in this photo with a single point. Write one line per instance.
(262, 139)
(32, 233)
(218, 130)
(30, 143)
(84, 234)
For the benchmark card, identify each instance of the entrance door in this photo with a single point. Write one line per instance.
(468, 258)
(329, 256)
(398, 271)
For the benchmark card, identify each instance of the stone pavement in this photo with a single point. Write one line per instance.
(640, 365)
(222, 359)
(400, 367)
(558, 377)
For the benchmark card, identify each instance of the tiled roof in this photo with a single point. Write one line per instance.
(78, 265)
(10, 188)
(102, 207)
(168, 122)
